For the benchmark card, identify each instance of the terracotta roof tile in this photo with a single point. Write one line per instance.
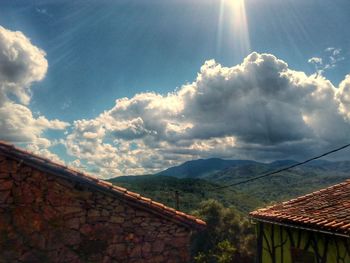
(60, 170)
(148, 200)
(158, 204)
(132, 194)
(327, 209)
(201, 222)
(120, 189)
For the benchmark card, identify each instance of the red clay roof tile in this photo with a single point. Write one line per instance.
(326, 209)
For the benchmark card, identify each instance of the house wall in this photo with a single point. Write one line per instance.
(44, 218)
(276, 242)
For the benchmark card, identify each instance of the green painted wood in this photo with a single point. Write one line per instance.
(280, 244)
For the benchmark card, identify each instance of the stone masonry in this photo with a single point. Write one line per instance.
(48, 218)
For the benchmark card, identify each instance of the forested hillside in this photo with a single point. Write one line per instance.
(195, 187)
(191, 192)
(229, 236)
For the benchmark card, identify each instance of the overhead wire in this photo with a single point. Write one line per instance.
(283, 169)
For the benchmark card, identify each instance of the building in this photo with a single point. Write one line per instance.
(51, 213)
(314, 228)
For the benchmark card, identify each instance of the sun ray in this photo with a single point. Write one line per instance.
(220, 26)
(240, 26)
(234, 13)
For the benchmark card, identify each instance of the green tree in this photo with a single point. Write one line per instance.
(229, 237)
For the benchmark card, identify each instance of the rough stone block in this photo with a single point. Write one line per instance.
(4, 175)
(73, 223)
(4, 195)
(71, 237)
(117, 219)
(158, 246)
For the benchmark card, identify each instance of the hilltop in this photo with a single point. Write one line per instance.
(197, 181)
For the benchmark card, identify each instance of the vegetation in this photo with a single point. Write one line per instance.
(229, 237)
(283, 186)
(191, 192)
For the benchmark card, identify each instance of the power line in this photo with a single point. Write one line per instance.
(284, 169)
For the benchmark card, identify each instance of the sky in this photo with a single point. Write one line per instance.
(134, 87)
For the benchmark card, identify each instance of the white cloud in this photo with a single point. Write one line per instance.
(260, 109)
(43, 11)
(315, 60)
(330, 60)
(42, 150)
(343, 96)
(17, 124)
(21, 64)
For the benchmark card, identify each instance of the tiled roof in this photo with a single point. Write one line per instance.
(135, 199)
(326, 210)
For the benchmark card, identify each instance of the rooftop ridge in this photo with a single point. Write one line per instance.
(31, 159)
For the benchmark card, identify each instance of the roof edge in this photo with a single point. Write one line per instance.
(298, 226)
(67, 173)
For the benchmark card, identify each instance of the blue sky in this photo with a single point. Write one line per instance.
(101, 51)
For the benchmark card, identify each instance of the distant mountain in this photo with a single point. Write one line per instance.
(200, 180)
(284, 185)
(202, 167)
(339, 166)
(205, 168)
(280, 163)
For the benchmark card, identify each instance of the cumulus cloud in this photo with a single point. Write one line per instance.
(260, 109)
(343, 96)
(17, 124)
(316, 60)
(41, 148)
(330, 59)
(21, 64)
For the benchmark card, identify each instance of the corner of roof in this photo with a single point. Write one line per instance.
(147, 203)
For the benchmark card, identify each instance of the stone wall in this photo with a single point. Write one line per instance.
(44, 218)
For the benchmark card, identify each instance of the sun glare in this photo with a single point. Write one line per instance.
(236, 12)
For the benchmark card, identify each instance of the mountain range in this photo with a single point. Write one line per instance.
(202, 179)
